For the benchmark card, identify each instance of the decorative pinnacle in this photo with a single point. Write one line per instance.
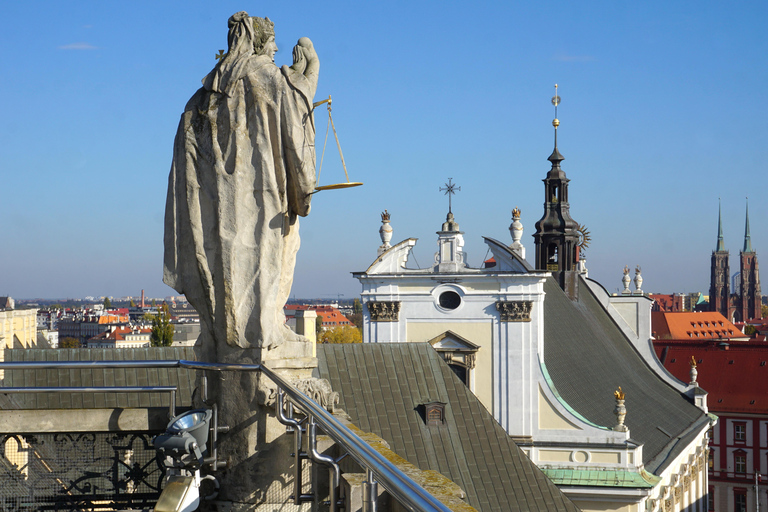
(516, 213)
(555, 157)
(619, 394)
(747, 239)
(720, 244)
(450, 189)
(385, 216)
(555, 121)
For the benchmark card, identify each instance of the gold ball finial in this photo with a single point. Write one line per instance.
(555, 122)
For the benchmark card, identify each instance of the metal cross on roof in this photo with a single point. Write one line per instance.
(220, 55)
(450, 189)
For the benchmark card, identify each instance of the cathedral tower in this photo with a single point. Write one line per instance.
(748, 305)
(719, 283)
(557, 235)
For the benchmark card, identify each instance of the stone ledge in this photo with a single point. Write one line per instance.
(437, 484)
(38, 421)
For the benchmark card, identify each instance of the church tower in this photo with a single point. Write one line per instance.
(557, 235)
(719, 283)
(750, 303)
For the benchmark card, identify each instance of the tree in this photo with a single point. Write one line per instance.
(764, 311)
(319, 325)
(749, 330)
(357, 319)
(107, 303)
(69, 343)
(357, 314)
(342, 334)
(162, 328)
(133, 304)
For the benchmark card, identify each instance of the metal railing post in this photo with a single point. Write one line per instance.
(370, 492)
(335, 472)
(298, 454)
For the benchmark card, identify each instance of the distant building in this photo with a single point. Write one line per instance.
(84, 325)
(745, 305)
(735, 375)
(332, 317)
(122, 337)
(686, 327)
(185, 334)
(18, 327)
(183, 312)
(676, 302)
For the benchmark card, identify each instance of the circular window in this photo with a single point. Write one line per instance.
(449, 300)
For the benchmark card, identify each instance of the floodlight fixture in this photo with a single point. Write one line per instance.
(186, 435)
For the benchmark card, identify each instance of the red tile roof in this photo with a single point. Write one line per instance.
(667, 302)
(332, 317)
(692, 326)
(736, 376)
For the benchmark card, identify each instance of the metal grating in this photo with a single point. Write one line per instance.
(79, 471)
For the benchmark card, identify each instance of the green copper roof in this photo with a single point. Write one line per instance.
(602, 478)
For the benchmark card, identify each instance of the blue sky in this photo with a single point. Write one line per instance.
(660, 116)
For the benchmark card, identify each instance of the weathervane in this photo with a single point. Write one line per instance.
(450, 189)
(555, 121)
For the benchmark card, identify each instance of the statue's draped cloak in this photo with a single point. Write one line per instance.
(243, 170)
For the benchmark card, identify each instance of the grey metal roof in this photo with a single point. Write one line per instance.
(183, 378)
(383, 385)
(588, 357)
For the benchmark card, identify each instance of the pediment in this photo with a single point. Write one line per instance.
(449, 341)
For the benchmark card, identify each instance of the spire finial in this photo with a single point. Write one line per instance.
(720, 244)
(555, 121)
(555, 157)
(747, 240)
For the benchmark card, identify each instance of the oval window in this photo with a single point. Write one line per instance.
(449, 300)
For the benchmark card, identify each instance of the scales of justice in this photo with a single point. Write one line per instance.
(347, 184)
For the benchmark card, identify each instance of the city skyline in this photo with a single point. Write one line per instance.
(657, 123)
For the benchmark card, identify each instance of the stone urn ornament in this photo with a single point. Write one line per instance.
(694, 372)
(626, 280)
(620, 411)
(516, 230)
(385, 232)
(638, 281)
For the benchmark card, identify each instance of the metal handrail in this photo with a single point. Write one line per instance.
(401, 487)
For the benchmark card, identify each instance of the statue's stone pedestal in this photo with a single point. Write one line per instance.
(257, 450)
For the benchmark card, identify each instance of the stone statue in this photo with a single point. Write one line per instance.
(243, 171)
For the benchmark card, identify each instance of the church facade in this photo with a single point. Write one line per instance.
(566, 369)
(745, 303)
